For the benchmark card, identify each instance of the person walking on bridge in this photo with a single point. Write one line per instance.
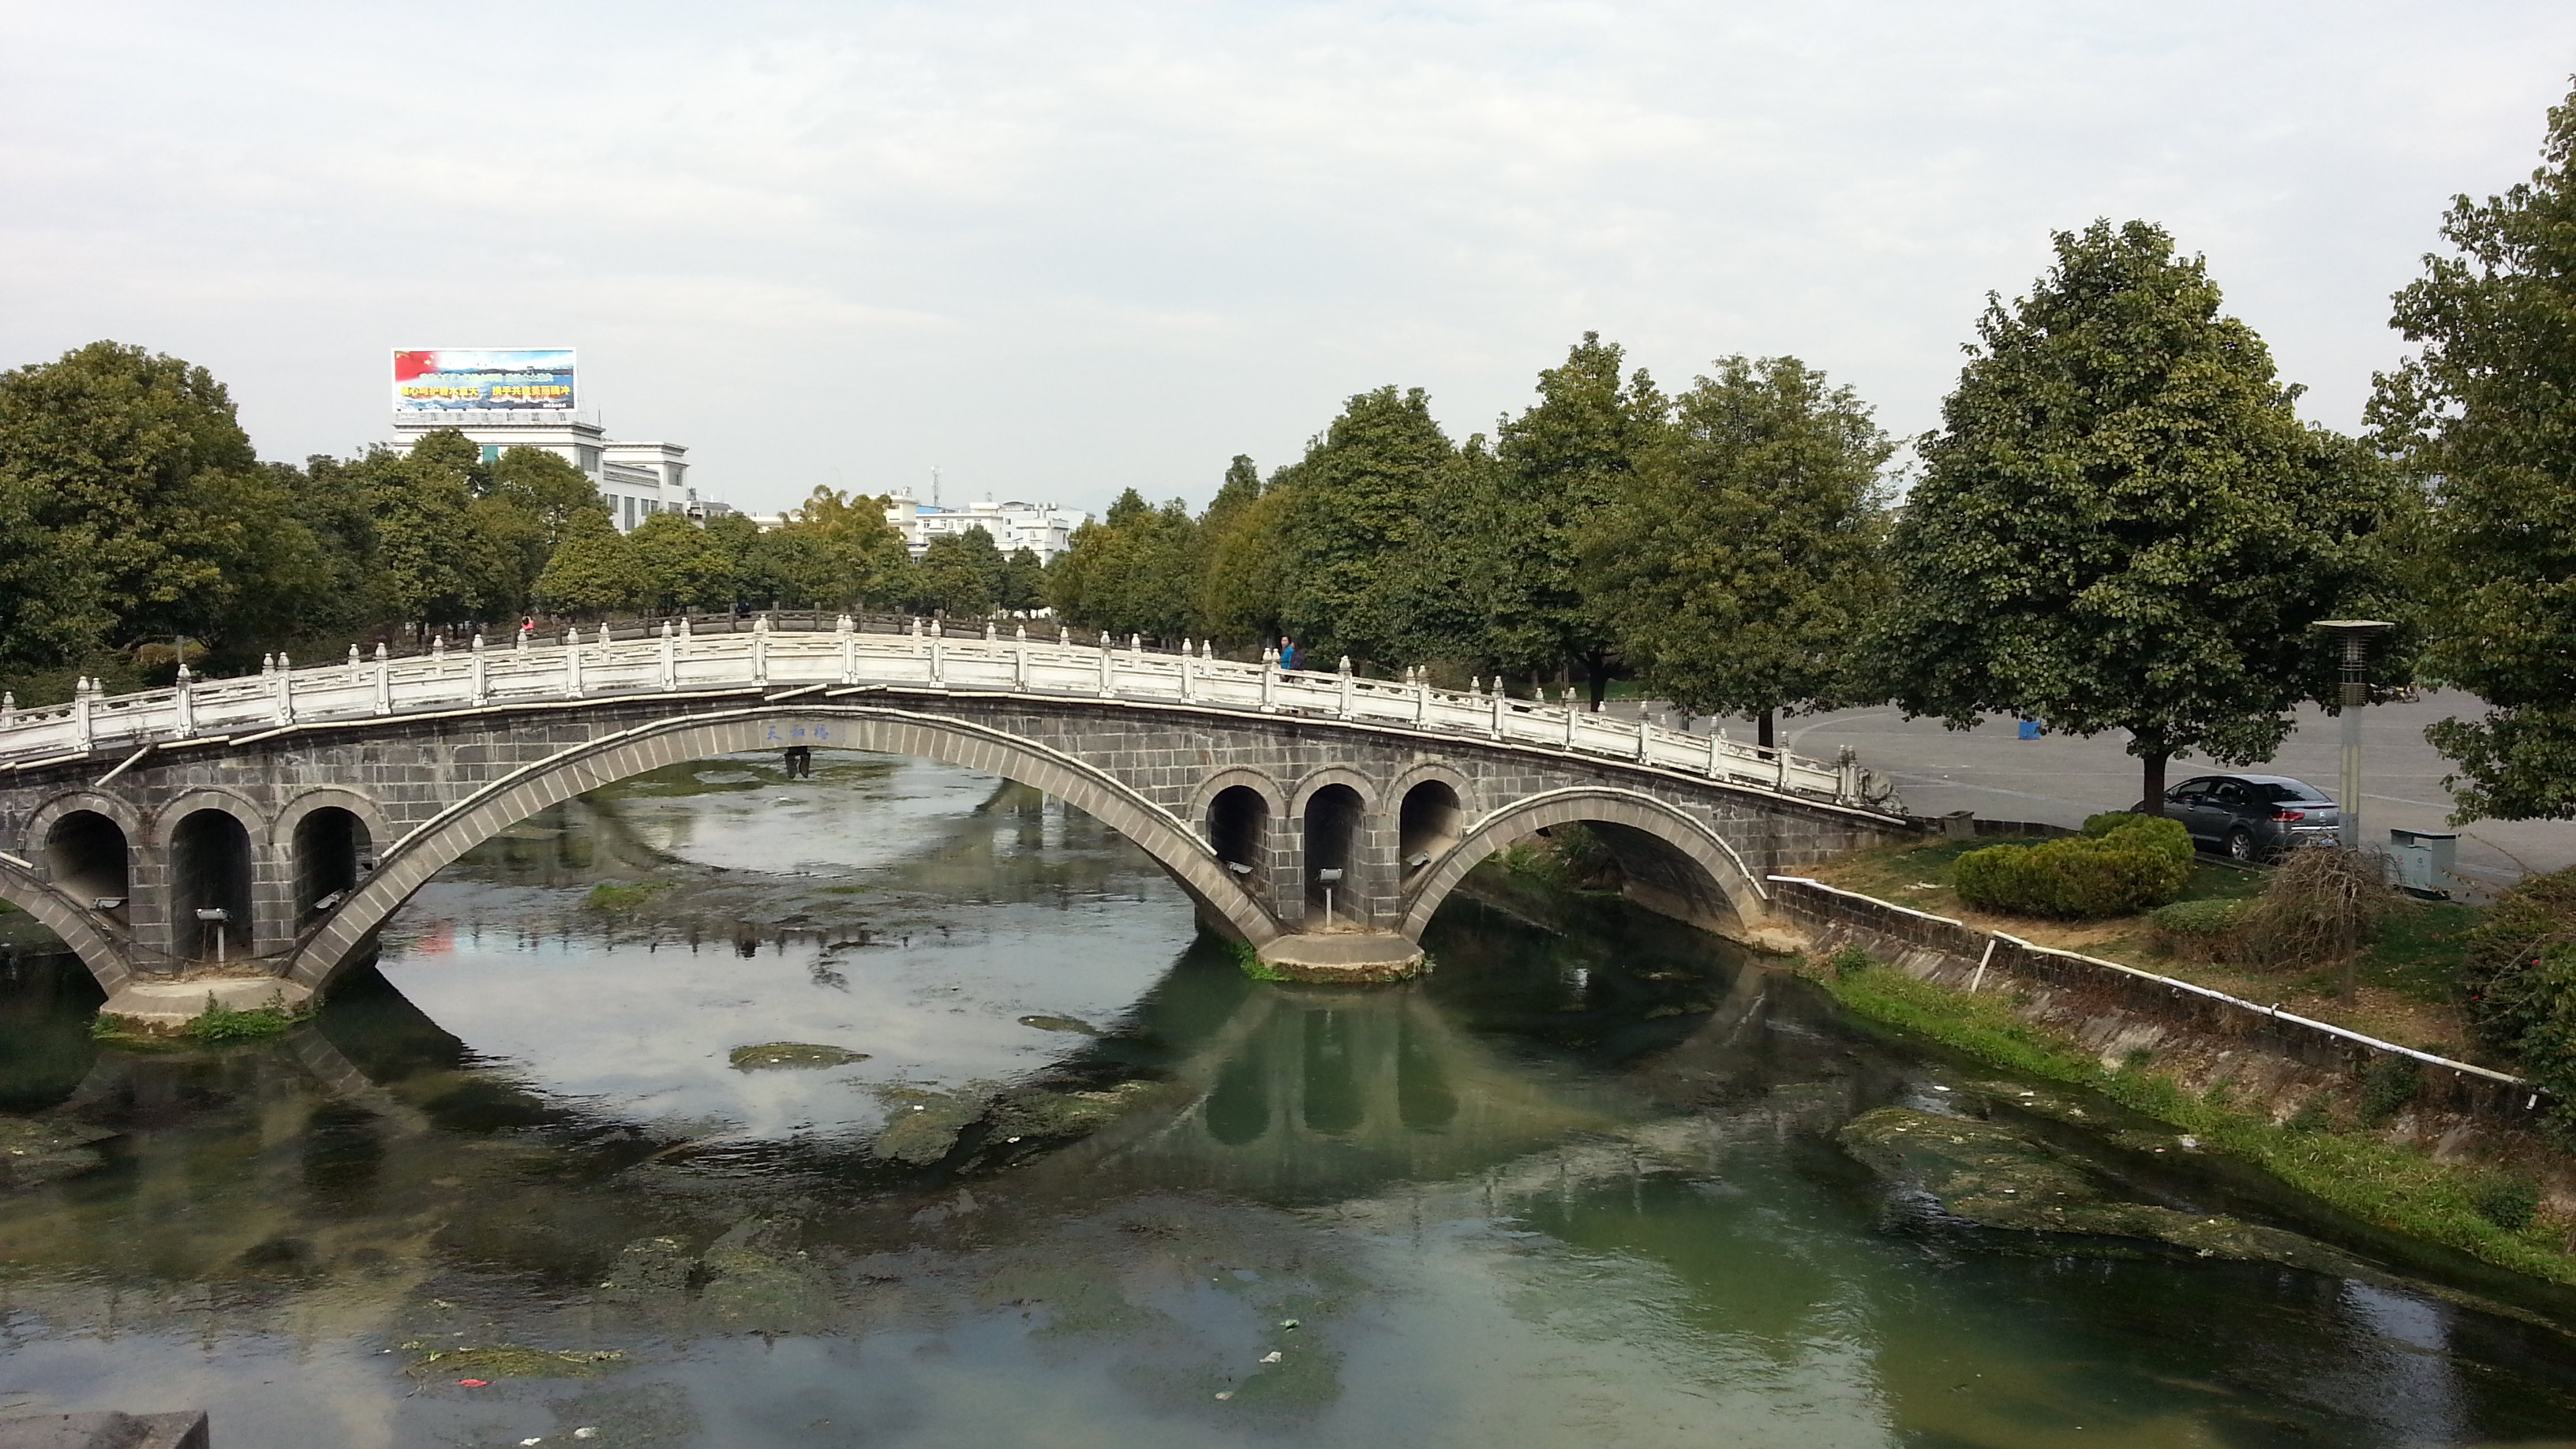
(1287, 653)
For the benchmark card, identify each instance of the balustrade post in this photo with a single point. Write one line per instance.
(1642, 737)
(8, 710)
(1108, 669)
(1421, 695)
(286, 688)
(1780, 770)
(1189, 694)
(760, 649)
(1020, 657)
(1346, 689)
(990, 628)
(477, 685)
(1569, 716)
(1502, 704)
(438, 646)
(1716, 753)
(848, 630)
(572, 664)
(519, 639)
(670, 656)
(1847, 777)
(938, 643)
(81, 734)
(357, 666)
(1270, 679)
(384, 680)
(183, 704)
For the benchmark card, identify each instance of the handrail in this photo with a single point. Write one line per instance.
(677, 658)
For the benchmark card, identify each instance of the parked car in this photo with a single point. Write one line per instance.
(2251, 817)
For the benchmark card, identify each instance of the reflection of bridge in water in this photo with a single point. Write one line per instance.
(1280, 1095)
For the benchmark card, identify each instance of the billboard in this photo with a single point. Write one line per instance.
(492, 379)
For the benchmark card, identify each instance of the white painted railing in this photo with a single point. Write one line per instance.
(675, 660)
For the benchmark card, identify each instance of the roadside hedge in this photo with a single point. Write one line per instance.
(2121, 864)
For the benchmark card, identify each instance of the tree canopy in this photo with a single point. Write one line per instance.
(2485, 415)
(1355, 506)
(1735, 564)
(2122, 523)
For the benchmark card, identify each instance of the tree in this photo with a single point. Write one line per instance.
(1438, 595)
(134, 508)
(2122, 524)
(1023, 585)
(859, 557)
(960, 574)
(678, 566)
(1242, 578)
(1732, 567)
(1132, 571)
(2486, 412)
(1563, 460)
(1356, 504)
(594, 571)
(425, 566)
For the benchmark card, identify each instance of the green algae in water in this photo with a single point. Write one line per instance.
(1073, 1024)
(790, 1056)
(513, 1361)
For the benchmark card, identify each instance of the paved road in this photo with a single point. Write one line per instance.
(2061, 780)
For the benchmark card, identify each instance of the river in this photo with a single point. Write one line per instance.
(902, 1106)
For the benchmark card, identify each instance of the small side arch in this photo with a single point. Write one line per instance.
(281, 831)
(165, 821)
(1314, 780)
(1715, 875)
(404, 866)
(1269, 789)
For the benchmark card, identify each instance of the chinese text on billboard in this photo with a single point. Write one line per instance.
(507, 379)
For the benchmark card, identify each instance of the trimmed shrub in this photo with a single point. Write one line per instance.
(2122, 863)
(2202, 931)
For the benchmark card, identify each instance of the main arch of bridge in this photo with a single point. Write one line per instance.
(1224, 800)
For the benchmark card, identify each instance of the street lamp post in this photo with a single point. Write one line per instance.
(2354, 635)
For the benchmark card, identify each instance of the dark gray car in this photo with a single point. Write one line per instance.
(2251, 817)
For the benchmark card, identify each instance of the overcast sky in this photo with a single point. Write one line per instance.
(1060, 249)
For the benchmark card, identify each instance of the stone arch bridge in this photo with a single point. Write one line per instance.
(262, 829)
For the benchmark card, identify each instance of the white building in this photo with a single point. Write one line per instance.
(1042, 528)
(637, 480)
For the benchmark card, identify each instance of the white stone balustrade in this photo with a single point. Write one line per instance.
(206, 713)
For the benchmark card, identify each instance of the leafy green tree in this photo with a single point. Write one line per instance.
(1023, 584)
(857, 557)
(134, 509)
(425, 567)
(1356, 506)
(679, 566)
(594, 571)
(2487, 413)
(1135, 570)
(1564, 460)
(2122, 524)
(1437, 596)
(1242, 576)
(961, 573)
(1733, 565)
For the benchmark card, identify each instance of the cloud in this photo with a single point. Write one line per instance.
(1058, 250)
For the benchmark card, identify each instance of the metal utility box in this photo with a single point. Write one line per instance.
(2423, 859)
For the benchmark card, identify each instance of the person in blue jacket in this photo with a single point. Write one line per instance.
(1287, 653)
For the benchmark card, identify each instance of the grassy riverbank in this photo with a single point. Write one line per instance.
(2409, 990)
(2325, 1149)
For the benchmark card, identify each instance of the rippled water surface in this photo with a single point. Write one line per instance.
(1026, 1161)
